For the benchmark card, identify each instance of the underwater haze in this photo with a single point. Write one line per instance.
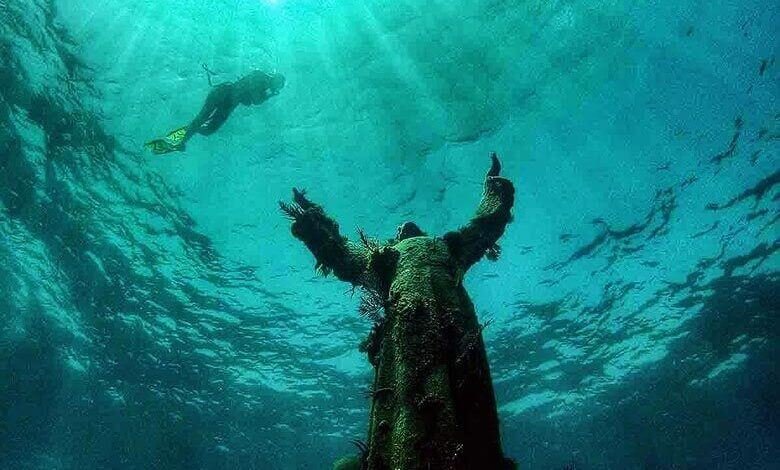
(156, 312)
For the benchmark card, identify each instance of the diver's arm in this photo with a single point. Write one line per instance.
(470, 243)
(333, 252)
(248, 89)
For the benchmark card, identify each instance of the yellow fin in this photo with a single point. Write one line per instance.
(162, 146)
(172, 142)
(176, 137)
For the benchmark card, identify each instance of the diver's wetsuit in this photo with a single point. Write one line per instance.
(253, 89)
(217, 108)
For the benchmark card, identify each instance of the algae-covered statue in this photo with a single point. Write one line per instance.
(433, 405)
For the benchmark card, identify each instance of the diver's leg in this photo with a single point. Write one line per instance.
(217, 120)
(208, 113)
(201, 120)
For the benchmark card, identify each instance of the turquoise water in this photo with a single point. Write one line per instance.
(157, 313)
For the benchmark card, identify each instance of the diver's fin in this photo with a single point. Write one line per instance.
(162, 146)
(173, 142)
(176, 137)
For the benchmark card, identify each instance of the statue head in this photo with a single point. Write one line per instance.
(408, 230)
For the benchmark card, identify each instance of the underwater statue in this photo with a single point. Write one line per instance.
(433, 405)
(251, 90)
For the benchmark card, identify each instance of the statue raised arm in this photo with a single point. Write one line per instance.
(478, 238)
(333, 252)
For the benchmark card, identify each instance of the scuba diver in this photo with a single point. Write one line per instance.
(253, 89)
